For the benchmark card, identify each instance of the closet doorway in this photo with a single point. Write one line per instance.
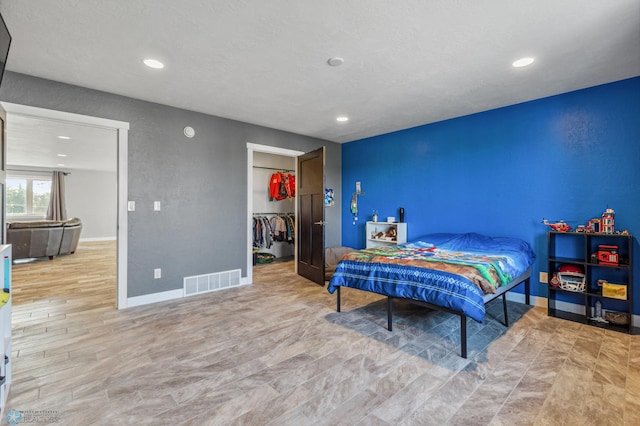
(262, 163)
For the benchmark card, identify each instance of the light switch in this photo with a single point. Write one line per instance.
(156, 206)
(131, 206)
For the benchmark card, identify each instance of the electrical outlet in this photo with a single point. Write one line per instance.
(131, 206)
(544, 277)
(156, 206)
(157, 273)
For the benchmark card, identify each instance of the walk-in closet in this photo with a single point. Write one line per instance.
(273, 208)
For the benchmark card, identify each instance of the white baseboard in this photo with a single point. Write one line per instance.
(147, 299)
(564, 306)
(90, 240)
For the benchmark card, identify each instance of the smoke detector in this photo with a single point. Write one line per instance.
(189, 132)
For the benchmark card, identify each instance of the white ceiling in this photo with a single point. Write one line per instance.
(33, 143)
(406, 63)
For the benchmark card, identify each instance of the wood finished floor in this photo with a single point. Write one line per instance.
(277, 353)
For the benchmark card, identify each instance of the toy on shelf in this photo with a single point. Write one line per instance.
(560, 226)
(597, 310)
(598, 225)
(604, 224)
(593, 225)
(391, 234)
(607, 255)
(607, 223)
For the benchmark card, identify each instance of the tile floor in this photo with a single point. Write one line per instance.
(277, 353)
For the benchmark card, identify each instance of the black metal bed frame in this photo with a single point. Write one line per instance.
(502, 291)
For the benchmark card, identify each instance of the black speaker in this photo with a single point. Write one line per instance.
(401, 214)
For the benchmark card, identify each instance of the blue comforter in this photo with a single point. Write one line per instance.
(448, 270)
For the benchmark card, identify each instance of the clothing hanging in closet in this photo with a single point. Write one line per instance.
(282, 227)
(281, 186)
(279, 227)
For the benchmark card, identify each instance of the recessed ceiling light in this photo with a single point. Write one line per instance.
(60, 165)
(64, 137)
(62, 155)
(342, 118)
(335, 61)
(523, 62)
(153, 63)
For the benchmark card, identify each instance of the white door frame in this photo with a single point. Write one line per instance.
(122, 129)
(251, 148)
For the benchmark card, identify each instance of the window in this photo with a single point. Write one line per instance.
(27, 195)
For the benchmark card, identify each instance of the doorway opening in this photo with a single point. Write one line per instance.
(120, 130)
(262, 162)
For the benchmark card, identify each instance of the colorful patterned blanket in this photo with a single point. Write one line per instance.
(445, 274)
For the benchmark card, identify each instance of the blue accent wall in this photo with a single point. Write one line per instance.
(502, 171)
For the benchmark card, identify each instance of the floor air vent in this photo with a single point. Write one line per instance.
(211, 282)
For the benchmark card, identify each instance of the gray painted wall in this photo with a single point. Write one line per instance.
(201, 182)
(92, 196)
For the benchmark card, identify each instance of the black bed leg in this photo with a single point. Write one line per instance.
(389, 313)
(463, 336)
(504, 306)
(338, 299)
(527, 287)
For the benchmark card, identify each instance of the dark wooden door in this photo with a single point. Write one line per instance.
(311, 215)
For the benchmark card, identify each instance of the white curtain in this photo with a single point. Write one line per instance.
(57, 206)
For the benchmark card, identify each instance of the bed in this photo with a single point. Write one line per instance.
(456, 273)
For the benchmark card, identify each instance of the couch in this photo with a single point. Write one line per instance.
(43, 238)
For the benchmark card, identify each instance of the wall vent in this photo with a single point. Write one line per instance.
(214, 281)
